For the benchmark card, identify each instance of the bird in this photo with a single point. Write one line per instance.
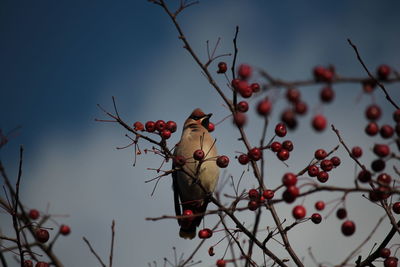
(194, 182)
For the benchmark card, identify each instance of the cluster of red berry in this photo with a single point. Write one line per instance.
(256, 199)
(164, 129)
(326, 165)
(42, 236)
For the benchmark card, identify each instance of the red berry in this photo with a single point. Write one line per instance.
(165, 134)
(255, 154)
(42, 264)
(373, 112)
(313, 170)
(341, 213)
(65, 229)
(335, 161)
(179, 160)
(299, 212)
(171, 125)
(235, 84)
(253, 194)
(289, 179)
(384, 179)
(160, 125)
(300, 108)
(328, 75)
(28, 263)
(198, 154)
(319, 205)
(255, 87)
(276, 146)
(242, 85)
(323, 176)
(396, 207)
(327, 94)
(378, 165)
(243, 159)
(372, 129)
(245, 92)
(396, 115)
(222, 67)
(185, 222)
(316, 218)
(239, 119)
(253, 205)
(383, 72)
(222, 161)
(280, 130)
(293, 95)
(283, 154)
(356, 152)
(244, 71)
(318, 72)
(373, 195)
(205, 233)
(386, 131)
(320, 154)
(138, 126)
(150, 126)
(290, 194)
(382, 192)
(381, 150)
(384, 253)
(34, 214)
(242, 106)
(390, 262)
(188, 213)
(348, 228)
(368, 86)
(289, 118)
(326, 165)
(42, 235)
(221, 263)
(364, 176)
(322, 74)
(269, 194)
(319, 123)
(211, 127)
(264, 107)
(288, 145)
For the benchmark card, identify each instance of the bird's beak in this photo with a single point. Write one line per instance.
(209, 115)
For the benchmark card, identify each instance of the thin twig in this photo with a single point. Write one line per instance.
(347, 149)
(15, 208)
(94, 252)
(234, 63)
(372, 77)
(112, 242)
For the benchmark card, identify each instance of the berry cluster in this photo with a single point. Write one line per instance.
(164, 129)
(256, 199)
(325, 165)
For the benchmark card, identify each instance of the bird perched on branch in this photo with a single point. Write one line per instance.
(196, 174)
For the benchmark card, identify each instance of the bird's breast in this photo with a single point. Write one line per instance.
(208, 173)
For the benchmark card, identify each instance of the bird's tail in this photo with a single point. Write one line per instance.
(188, 227)
(188, 233)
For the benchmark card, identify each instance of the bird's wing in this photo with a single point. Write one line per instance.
(175, 187)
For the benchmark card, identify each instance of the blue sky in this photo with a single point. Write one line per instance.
(59, 59)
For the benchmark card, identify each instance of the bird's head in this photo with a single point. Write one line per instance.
(198, 117)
